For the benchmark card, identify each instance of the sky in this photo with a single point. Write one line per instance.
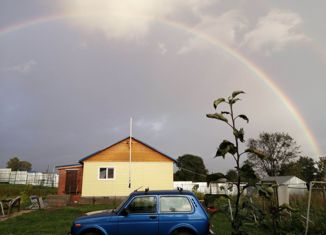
(72, 74)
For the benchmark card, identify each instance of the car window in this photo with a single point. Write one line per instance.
(142, 205)
(175, 204)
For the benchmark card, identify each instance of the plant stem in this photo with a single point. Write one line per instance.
(236, 226)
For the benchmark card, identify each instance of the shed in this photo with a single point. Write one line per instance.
(295, 185)
(70, 179)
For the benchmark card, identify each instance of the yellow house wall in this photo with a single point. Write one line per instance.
(154, 175)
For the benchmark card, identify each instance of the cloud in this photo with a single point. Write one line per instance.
(162, 48)
(274, 31)
(118, 19)
(126, 19)
(24, 68)
(152, 125)
(224, 28)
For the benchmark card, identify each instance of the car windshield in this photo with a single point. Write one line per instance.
(115, 210)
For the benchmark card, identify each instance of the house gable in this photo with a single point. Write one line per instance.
(119, 152)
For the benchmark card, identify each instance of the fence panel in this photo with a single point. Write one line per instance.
(32, 178)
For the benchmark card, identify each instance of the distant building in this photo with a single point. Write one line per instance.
(110, 171)
(294, 184)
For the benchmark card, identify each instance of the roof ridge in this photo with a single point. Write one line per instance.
(90, 155)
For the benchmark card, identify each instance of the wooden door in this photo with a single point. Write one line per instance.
(71, 182)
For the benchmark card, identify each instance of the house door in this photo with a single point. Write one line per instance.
(71, 182)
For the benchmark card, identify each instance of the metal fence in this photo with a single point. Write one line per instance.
(32, 178)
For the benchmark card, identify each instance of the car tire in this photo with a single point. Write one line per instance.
(92, 233)
(182, 232)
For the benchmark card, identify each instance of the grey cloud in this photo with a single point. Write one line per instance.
(23, 68)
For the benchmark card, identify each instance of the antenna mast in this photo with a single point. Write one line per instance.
(130, 138)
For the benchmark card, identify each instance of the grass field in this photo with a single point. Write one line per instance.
(24, 191)
(58, 221)
(46, 222)
(12, 190)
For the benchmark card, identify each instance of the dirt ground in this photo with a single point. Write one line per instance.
(14, 214)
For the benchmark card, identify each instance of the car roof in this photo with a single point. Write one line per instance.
(162, 192)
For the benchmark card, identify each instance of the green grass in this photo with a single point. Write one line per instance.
(46, 222)
(221, 224)
(58, 221)
(24, 191)
(12, 190)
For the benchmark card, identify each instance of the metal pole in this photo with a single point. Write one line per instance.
(130, 138)
(308, 209)
(15, 177)
(230, 208)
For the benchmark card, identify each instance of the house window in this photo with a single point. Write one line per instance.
(106, 173)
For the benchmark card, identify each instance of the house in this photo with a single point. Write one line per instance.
(112, 172)
(294, 184)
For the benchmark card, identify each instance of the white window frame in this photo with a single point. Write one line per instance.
(106, 172)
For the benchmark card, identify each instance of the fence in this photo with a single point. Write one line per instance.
(32, 178)
(228, 188)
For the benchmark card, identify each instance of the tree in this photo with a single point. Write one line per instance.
(25, 166)
(214, 177)
(191, 168)
(231, 175)
(13, 163)
(17, 165)
(247, 174)
(279, 148)
(304, 168)
(232, 148)
(322, 168)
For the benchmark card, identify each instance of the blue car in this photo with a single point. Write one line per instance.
(173, 212)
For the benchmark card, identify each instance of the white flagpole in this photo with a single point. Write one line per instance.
(130, 138)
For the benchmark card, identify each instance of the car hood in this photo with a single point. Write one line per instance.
(105, 214)
(108, 211)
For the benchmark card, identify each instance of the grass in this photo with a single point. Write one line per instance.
(12, 190)
(46, 222)
(58, 221)
(221, 224)
(24, 191)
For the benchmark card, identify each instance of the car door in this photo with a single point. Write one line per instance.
(139, 216)
(175, 210)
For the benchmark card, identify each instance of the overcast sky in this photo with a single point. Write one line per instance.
(73, 72)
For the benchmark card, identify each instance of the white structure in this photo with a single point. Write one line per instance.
(24, 177)
(228, 188)
(189, 185)
(295, 185)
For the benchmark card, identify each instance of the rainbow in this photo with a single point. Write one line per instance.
(252, 67)
(30, 22)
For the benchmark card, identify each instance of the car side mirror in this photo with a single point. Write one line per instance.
(124, 212)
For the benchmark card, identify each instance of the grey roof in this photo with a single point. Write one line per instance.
(69, 165)
(281, 179)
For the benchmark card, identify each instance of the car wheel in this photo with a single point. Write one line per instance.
(92, 233)
(182, 232)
